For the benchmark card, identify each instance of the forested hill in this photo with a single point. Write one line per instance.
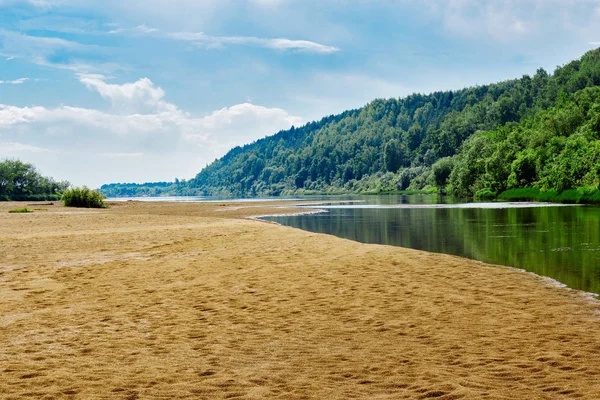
(485, 138)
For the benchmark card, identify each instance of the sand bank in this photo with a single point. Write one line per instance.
(162, 300)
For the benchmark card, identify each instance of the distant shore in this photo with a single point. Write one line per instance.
(195, 300)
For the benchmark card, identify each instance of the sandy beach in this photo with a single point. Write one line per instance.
(196, 301)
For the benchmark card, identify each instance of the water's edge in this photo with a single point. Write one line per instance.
(545, 280)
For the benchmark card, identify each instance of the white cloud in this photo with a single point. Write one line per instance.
(14, 81)
(129, 97)
(28, 45)
(236, 125)
(140, 127)
(241, 124)
(201, 39)
(140, 29)
(513, 20)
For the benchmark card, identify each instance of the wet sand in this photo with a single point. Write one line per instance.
(170, 301)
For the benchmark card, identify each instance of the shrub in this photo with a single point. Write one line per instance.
(521, 194)
(568, 196)
(485, 194)
(588, 194)
(21, 210)
(549, 195)
(84, 197)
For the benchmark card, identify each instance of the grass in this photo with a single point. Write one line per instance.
(20, 210)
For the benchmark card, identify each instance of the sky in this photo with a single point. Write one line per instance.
(96, 92)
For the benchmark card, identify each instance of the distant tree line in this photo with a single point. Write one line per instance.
(20, 181)
(148, 189)
(540, 131)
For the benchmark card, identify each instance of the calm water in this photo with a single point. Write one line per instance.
(560, 242)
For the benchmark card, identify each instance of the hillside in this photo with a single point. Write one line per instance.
(484, 138)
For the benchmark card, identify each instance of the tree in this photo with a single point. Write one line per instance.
(393, 156)
(441, 171)
(21, 181)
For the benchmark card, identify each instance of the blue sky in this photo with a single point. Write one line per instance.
(148, 90)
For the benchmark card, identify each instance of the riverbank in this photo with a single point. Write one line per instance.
(176, 300)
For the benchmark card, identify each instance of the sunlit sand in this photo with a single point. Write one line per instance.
(162, 300)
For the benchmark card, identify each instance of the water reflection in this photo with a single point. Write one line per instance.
(559, 242)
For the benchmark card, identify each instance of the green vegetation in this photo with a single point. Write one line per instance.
(551, 153)
(148, 189)
(20, 210)
(582, 195)
(83, 197)
(540, 132)
(20, 181)
(485, 194)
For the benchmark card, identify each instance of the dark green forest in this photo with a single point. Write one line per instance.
(20, 181)
(540, 131)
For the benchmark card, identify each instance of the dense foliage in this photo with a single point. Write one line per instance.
(538, 131)
(83, 197)
(21, 181)
(148, 189)
(552, 151)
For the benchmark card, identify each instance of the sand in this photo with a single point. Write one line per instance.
(170, 301)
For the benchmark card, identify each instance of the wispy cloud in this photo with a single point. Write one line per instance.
(201, 39)
(140, 29)
(54, 52)
(14, 81)
(14, 147)
(122, 155)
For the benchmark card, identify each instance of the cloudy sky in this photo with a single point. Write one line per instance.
(149, 90)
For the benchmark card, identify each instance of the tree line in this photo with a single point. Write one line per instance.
(20, 181)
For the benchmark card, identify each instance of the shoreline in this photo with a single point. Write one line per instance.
(196, 300)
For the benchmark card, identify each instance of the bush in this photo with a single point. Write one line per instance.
(84, 197)
(485, 194)
(568, 196)
(523, 194)
(21, 210)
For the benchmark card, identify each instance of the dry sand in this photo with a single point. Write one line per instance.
(168, 301)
